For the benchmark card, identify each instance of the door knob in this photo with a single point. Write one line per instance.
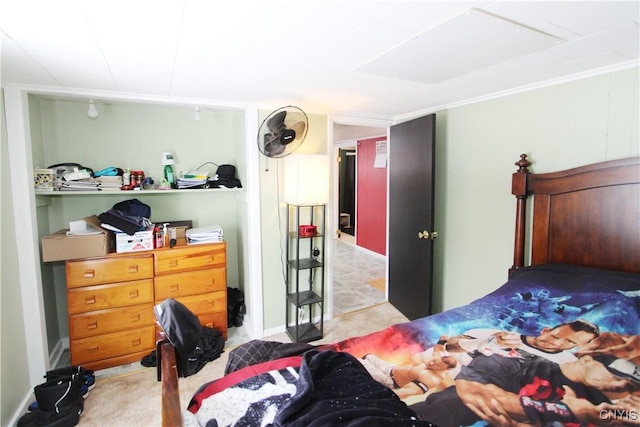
(424, 234)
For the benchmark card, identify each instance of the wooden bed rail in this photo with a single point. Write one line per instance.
(171, 415)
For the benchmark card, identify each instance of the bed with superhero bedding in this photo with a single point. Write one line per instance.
(557, 344)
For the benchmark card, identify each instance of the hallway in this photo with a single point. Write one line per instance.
(352, 269)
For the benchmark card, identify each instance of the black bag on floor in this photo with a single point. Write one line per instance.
(236, 308)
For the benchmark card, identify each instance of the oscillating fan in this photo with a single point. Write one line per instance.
(282, 132)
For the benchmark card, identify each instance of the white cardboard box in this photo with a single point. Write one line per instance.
(140, 241)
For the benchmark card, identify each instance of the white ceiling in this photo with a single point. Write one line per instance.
(363, 58)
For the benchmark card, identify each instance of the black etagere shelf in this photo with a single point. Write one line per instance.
(305, 272)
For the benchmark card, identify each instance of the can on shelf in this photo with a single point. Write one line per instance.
(137, 178)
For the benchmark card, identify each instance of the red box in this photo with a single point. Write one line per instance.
(307, 230)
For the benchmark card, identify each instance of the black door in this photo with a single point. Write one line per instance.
(411, 194)
(347, 191)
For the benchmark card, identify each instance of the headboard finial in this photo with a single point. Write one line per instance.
(523, 164)
(519, 189)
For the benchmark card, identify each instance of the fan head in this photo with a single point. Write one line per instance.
(282, 132)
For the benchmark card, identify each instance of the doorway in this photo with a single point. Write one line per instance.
(347, 191)
(358, 275)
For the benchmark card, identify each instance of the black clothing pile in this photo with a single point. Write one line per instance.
(129, 216)
(225, 178)
(195, 345)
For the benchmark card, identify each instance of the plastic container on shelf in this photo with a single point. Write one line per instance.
(126, 177)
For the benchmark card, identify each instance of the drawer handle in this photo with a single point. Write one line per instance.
(88, 274)
(209, 325)
(94, 349)
(90, 300)
(134, 294)
(135, 318)
(92, 325)
(136, 342)
(133, 268)
(173, 263)
(174, 288)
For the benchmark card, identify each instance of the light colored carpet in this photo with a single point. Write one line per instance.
(134, 398)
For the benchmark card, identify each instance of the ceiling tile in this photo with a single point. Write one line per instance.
(463, 44)
(314, 53)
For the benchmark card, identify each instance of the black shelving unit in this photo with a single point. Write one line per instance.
(305, 273)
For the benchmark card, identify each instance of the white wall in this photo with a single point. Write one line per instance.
(13, 348)
(562, 126)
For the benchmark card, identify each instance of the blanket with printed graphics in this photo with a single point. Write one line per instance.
(556, 344)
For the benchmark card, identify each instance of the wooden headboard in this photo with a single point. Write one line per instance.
(589, 215)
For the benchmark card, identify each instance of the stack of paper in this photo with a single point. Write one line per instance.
(110, 182)
(211, 234)
(80, 185)
(81, 228)
(193, 179)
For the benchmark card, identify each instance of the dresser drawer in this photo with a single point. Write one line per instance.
(206, 304)
(189, 258)
(106, 270)
(190, 283)
(212, 320)
(99, 297)
(215, 320)
(90, 349)
(111, 320)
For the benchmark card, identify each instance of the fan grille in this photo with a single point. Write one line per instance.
(283, 131)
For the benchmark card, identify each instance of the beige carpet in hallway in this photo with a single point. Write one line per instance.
(134, 399)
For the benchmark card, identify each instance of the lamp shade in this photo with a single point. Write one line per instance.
(306, 179)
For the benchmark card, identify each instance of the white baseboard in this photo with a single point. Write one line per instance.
(54, 358)
(22, 409)
(56, 353)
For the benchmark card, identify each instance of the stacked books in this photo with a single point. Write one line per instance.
(77, 180)
(89, 184)
(110, 182)
(193, 179)
(211, 234)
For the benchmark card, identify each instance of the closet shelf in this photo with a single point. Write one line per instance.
(134, 193)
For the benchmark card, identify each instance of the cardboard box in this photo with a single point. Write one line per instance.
(43, 179)
(181, 231)
(60, 247)
(140, 241)
(181, 227)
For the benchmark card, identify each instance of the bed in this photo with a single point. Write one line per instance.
(559, 342)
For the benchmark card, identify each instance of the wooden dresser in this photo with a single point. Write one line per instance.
(110, 299)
